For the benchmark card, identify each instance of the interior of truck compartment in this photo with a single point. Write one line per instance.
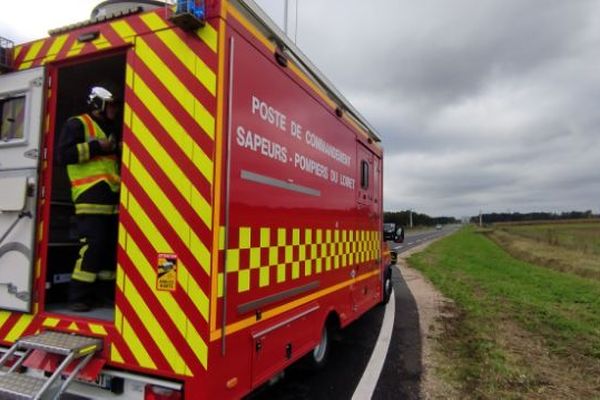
(74, 83)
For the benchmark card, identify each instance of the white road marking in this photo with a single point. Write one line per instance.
(368, 382)
(398, 247)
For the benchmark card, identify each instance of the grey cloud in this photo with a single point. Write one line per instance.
(481, 104)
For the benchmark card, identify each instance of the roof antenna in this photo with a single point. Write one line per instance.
(296, 24)
(285, 18)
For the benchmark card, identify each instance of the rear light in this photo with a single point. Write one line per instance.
(152, 392)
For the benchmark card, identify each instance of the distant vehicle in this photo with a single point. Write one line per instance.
(393, 231)
(438, 227)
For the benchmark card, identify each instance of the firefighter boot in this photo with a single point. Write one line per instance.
(80, 299)
(105, 293)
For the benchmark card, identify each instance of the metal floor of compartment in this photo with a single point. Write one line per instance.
(102, 313)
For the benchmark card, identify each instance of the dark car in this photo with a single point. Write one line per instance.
(393, 231)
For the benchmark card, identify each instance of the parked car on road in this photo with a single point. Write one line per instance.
(393, 231)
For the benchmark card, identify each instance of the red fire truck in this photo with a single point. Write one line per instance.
(250, 212)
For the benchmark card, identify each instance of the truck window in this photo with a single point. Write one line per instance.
(364, 174)
(12, 117)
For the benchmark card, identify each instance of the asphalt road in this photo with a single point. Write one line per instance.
(351, 351)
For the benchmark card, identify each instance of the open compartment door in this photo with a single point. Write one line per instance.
(21, 108)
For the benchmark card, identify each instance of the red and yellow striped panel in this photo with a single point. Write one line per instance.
(167, 195)
(64, 46)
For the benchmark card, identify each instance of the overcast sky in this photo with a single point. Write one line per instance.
(488, 105)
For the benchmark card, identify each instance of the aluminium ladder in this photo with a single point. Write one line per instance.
(14, 385)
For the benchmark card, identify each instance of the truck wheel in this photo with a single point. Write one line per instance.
(317, 358)
(387, 286)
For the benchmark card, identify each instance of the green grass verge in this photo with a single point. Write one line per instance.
(489, 288)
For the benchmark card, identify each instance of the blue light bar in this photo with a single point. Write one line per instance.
(194, 7)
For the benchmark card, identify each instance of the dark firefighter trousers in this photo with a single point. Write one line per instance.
(94, 273)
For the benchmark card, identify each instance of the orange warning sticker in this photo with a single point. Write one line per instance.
(166, 272)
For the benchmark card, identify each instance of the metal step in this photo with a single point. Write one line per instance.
(18, 386)
(14, 385)
(61, 343)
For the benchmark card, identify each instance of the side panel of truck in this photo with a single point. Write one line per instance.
(299, 245)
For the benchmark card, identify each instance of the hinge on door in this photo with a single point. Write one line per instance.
(45, 157)
(49, 82)
(43, 192)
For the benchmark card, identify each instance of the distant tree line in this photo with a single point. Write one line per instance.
(403, 218)
(533, 216)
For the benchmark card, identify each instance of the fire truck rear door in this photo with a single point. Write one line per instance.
(21, 108)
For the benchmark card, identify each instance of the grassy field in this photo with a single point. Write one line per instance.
(515, 329)
(567, 247)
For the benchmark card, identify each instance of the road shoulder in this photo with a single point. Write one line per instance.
(430, 305)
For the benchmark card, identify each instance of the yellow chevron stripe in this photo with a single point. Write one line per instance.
(196, 294)
(98, 329)
(75, 49)
(38, 268)
(51, 322)
(55, 48)
(123, 29)
(118, 313)
(40, 234)
(32, 53)
(208, 34)
(154, 22)
(173, 127)
(194, 291)
(17, 50)
(120, 278)
(73, 327)
(115, 356)
(101, 42)
(17, 330)
(153, 326)
(177, 88)
(197, 344)
(176, 314)
(128, 80)
(171, 214)
(135, 345)
(3, 317)
(175, 175)
(182, 51)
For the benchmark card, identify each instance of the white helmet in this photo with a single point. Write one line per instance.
(99, 97)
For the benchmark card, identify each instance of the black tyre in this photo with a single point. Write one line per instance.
(317, 358)
(387, 286)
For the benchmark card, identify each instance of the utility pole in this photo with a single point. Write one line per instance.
(480, 219)
(285, 18)
(410, 218)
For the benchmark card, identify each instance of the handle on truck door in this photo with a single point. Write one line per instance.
(21, 215)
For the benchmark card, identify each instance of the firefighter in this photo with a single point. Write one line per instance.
(89, 148)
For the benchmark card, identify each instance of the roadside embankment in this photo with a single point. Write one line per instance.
(505, 328)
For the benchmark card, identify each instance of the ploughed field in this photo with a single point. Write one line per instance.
(523, 315)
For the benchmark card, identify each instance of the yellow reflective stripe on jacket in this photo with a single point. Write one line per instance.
(107, 275)
(89, 171)
(83, 152)
(90, 208)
